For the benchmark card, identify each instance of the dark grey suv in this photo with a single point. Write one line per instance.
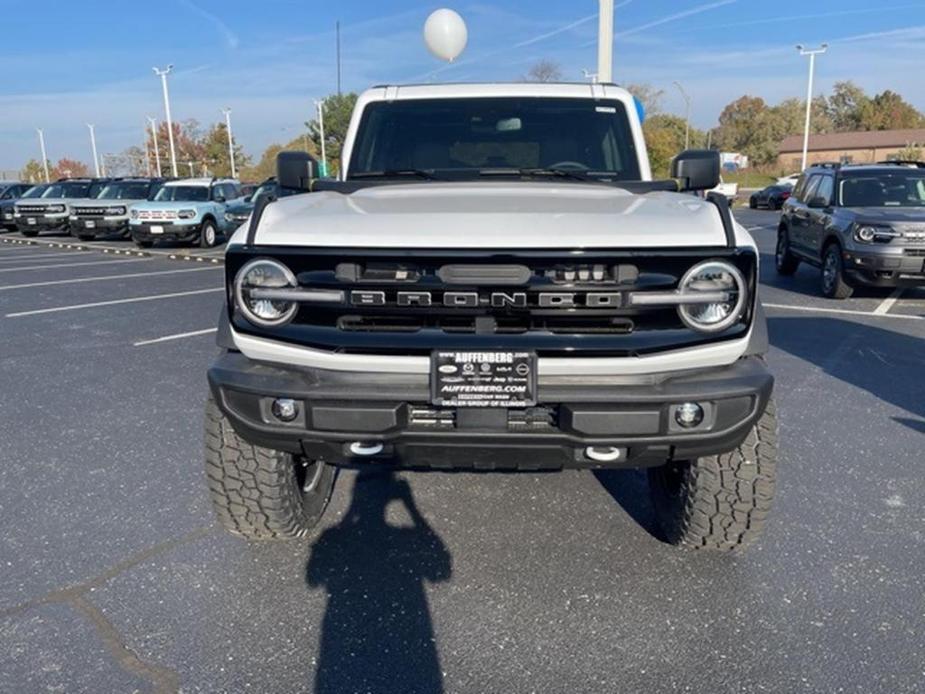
(862, 225)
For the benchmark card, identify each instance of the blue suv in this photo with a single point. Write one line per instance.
(191, 210)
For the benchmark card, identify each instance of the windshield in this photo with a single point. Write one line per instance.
(883, 189)
(466, 137)
(35, 191)
(71, 189)
(183, 194)
(125, 191)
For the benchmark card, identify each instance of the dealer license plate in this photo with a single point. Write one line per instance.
(90, 224)
(31, 220)
(483, 379)
(157, 229)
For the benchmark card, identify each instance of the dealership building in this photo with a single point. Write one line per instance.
(847, 148)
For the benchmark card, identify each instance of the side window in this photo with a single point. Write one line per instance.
(825, 189)
(798, 188)
(809, 190)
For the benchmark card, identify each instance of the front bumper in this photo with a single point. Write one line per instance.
(174, 232)
(98, 226)
(41, 223)
(632, 414)
(886, 267)
(7, 220)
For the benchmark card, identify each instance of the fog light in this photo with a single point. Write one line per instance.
(285, 409)
(689, 415)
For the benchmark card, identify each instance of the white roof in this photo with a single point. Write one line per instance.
(578, 90)
(199, 181)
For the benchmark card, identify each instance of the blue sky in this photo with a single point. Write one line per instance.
(68, 63)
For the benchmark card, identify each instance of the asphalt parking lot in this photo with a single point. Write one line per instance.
(117, 579)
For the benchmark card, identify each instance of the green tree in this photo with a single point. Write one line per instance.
(33, 171)
(665, 140)
(338, 108)
(889, 111)
(845, 106)
(215, 152)
(911, 152)
(266, 166)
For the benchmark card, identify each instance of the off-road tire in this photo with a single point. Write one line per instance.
(85, 237)
(258, 493)
(30, 234)
(720, 502)
(784, 261)
(144, 244)
(834, 286)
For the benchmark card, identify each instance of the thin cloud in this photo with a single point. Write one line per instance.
(563, 29)
(231, 38)
(670, 18)
(798, 17)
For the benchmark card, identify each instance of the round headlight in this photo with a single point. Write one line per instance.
(186, 214)
(866, 234)
(712, 280)
(115, 211)
(264, 274)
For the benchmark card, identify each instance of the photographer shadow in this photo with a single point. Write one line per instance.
(377, 633)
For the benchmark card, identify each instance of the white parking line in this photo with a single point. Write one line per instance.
(105, 278)
(178, 336)
(888, 303)
(137, 299)
(869, 314)
(70, 254)
(53, 267)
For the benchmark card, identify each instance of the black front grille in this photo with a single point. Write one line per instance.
(551, 302)
(31, 209)
(91, 211)
(915, 252)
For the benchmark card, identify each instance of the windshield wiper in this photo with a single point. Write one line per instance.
(535, 172)
(397, 173)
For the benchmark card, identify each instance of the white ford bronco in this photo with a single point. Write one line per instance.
(494, 282)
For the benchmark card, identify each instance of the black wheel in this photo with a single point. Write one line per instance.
(773, 204)
(720, 502)
(208, 237)
(258, 493)
(834, 284)
(785, 262)
(85, 237)
(144, 244)
(30, 234)
(752, 204)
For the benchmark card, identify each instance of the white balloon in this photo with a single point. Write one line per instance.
(446, 35)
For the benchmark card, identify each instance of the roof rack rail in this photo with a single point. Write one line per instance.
(826, 165)
(903, 162)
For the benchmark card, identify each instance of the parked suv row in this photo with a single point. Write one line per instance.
(108, 213)
(50, 211)
(861, 225)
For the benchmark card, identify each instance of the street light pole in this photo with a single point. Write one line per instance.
(157, 152)
(324, 155)
(812, 53)
(96, 158)
(227, 112)
(173, 152)
(687, 115)
(605, 43)
(44, 155)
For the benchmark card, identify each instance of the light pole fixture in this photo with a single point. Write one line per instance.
(173, 152)
(227, 112)
(96, 158)
(44, 155)
(157, 152)
(687, 115)
(812, 53)
(605, 42)
(324, 156)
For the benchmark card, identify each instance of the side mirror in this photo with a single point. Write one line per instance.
(219, 198)
(696, 169)
(818, 202)
(295, 170)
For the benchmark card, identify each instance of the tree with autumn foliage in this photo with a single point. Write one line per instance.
(266, 167)
(33, 172)
(69, 168)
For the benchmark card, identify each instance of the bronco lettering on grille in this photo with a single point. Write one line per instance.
(563, 300)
